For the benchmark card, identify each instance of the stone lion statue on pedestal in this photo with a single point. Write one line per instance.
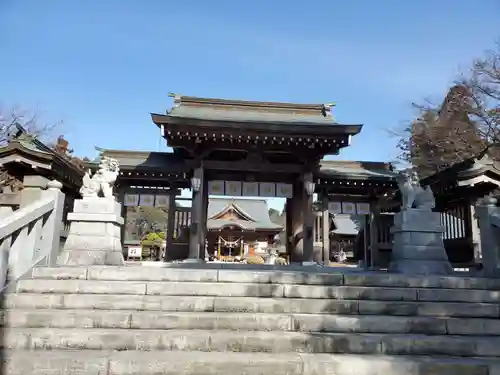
(412, 193)
(102, 181)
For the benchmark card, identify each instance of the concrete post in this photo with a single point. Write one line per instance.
(33, 186)
(490, 236)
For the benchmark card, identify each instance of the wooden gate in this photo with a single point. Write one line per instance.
(179, 247)
(458, 238)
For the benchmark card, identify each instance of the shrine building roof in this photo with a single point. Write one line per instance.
(25, 151)
(244, 214)
(236, 123)
(362, 170)
(346, 225)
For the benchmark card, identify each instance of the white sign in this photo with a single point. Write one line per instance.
(267, 189)
(363, 208)
(335, 207)
(162, 200)
(233, 188)
(134, 252)
(348, 208)
(147, 200)
(284, 190)
(131, 200)
(250, 189)
(216, 187)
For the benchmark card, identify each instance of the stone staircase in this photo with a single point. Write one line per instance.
(200, 321)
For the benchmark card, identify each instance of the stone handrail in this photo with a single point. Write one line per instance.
(488, 215)
(31, 235)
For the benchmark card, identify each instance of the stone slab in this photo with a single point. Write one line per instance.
(385, 279)
(284, 305)
(430, 239)
(60, 273)
(19, 362)
(451, 295)
(98, 243)
(151, 274)
(421, 253)
(324, 276)
(80, 286)
(96, 229)
(249, 305)
(215, 289)
(195, 340)
(95, 218)
(420, 266)
(350, 292)
(438, 309)
(418, 247)
(418, 220)
(249, 321)
(251, 341)
(81, 256)
(81, 362)
(94, 235)
(370, 324)
(97, 205)
(256, 290)
(347, 364)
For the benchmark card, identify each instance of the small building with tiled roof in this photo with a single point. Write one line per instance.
(239, 227)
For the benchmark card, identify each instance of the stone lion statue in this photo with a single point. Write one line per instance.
(102, 181)
(412, 193)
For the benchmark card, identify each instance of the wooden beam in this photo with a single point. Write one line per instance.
(253, 167)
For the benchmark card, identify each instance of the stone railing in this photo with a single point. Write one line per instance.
(30, 236)
(488, 215)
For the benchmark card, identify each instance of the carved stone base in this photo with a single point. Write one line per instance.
(94, 236)
(418, 244)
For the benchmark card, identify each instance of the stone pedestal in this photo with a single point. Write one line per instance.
(418, 247)
(94, 234)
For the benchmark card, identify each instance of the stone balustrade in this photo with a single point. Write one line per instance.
(30, 235)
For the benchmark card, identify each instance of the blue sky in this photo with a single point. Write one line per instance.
(102, 66)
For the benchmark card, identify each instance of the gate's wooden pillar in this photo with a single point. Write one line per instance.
(325, 229)
(204, 230)
(374, 240)
(197, 231)
(289, 243)
(302, 247)
(121, 199)
(170, 224)
(295, 224)
(473, 231)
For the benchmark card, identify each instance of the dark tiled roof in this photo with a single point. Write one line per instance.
(160, 161)
(203, 113)
(250, 111)
(357, 170)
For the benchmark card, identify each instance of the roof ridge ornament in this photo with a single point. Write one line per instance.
(177, 99)
(327, 110)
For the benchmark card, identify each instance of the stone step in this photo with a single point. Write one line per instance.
(227, 289)
(250, 321)
(86, 362)
(256, 274)
(250, 341)
(248, 304)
